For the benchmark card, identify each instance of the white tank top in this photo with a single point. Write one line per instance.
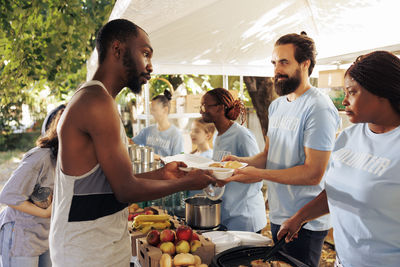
(88, 225)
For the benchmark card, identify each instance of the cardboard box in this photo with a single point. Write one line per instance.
(173, 106)
(180, 104)
(150, 256)
(193, 103)
(331, 78)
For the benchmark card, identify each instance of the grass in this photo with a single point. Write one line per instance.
(6, 156)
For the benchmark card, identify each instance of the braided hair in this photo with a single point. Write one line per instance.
(233, 107)
(379, 73)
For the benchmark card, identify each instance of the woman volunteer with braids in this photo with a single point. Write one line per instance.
(362, 191)
(243, 206)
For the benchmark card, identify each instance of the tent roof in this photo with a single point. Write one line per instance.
(236, 37)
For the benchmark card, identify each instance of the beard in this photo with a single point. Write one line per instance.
(287, 86)
(133, 83)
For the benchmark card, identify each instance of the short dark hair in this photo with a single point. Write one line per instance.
(379, 73)
(304, 48)
(118, 29)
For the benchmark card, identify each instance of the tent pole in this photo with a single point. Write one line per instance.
(225, 83)
(147, 103)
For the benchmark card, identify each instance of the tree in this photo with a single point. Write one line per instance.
(261, 91)
(44, 45)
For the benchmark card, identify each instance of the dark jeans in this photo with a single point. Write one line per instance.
(306, 248)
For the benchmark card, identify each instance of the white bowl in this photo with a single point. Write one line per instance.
(222, 174)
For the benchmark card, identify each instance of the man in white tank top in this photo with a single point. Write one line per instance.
(94, 176)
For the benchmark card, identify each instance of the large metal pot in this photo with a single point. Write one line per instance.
(202, 213)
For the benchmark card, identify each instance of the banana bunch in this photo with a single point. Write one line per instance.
(145, 223)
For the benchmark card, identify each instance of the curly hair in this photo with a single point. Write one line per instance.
(379, 73)
(233, 107)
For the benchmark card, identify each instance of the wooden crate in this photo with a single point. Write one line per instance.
(137, 234)
(193, 103)
(150, 256)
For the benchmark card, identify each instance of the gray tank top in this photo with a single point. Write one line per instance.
(88, 226)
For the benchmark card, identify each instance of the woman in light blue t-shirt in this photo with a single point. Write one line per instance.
(243, 206)
(362, 191)
(164, 137)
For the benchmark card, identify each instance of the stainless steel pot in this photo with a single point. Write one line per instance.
(202, 213)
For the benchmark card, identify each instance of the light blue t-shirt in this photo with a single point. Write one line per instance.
(363, 189)
(165, 143)
(309, 121)
(243, 206)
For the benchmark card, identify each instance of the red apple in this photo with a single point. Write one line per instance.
(153, 237)
(149, 212)
(184, 232)
(168, 247)
(131, 217)
(167, 235)
(195, 236)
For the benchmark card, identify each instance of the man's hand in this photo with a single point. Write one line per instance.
(171, 170)
(199, 179)
(230, 158)
(246, 175)
(291, 227)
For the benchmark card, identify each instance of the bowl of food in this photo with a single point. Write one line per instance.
(222, 174)
(228, 165)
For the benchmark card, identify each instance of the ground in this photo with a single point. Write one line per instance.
(9, 162)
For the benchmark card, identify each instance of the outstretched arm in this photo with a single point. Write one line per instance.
(310, 173)
(259, 160)
(312, 210)
(103, 127)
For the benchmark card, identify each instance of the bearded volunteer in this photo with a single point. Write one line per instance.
(94, 179)
(301, 135)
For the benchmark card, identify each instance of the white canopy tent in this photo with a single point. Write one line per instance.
(236, 37)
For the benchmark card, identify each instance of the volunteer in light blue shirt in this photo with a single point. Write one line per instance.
(301, 135)
(243, 206)
(164, 137)
(362, 191)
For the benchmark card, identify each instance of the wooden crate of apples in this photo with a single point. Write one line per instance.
(141, 221)
(182, 247)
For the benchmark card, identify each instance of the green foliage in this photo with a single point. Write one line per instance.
(7, 156)
(44, 46)
(19, 141)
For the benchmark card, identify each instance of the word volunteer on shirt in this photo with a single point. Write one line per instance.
(363, 161)
(284, 122)
(157, 142)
